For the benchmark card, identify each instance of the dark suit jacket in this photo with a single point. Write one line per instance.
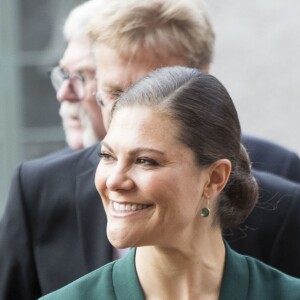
(271, 232)
(270, 157)
(54, 227)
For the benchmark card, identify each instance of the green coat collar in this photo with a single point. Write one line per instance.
(244, 278)
(125, 279)
(236, 276)
(234, 284)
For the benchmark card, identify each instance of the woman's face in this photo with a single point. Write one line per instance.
(151, 188)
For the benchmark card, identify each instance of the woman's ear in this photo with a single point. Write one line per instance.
(219, 173)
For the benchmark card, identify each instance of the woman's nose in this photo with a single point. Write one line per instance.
(119, 180)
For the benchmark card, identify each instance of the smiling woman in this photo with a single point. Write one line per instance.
(173, 174)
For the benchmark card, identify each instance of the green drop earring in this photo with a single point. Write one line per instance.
(205, 211)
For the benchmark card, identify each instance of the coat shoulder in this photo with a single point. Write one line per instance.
(270, 283)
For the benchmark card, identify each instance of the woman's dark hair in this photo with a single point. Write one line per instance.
(208, 124)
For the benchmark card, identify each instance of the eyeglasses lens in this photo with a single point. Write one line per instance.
(58, 76)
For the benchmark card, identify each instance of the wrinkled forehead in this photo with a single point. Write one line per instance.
(119, 71)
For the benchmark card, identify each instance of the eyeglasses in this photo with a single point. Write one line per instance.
(109, 101)
(99, 99)
(59, 75)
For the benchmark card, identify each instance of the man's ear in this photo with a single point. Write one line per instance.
(219, 173)
(205, 69)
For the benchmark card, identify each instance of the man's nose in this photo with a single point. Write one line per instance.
(66, 92)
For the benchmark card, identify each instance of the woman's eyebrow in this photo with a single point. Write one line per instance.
(136, 150)
(146, 149)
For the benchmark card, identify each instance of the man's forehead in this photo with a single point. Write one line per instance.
(118, 70)
(119, 79)
(78, 56)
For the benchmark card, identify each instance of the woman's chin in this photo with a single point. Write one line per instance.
(119, 240)
(119, 243)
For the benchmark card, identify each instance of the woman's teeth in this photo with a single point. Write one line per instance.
(128, 207)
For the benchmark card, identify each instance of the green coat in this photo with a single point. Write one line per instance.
(245, 278)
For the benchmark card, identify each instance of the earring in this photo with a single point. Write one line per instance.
(205, 211)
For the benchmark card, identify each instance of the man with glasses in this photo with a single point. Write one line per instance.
(74, 82)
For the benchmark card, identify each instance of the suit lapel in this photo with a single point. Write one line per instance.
(91, 218)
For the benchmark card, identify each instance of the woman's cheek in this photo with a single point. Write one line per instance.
(100, 179)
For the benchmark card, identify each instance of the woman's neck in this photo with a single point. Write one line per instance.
(185, 272)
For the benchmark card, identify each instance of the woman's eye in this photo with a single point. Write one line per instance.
(146, 161)
(104, 156)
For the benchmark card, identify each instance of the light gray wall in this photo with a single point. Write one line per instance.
(10, 89)
(31, 42)
(258, 60)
